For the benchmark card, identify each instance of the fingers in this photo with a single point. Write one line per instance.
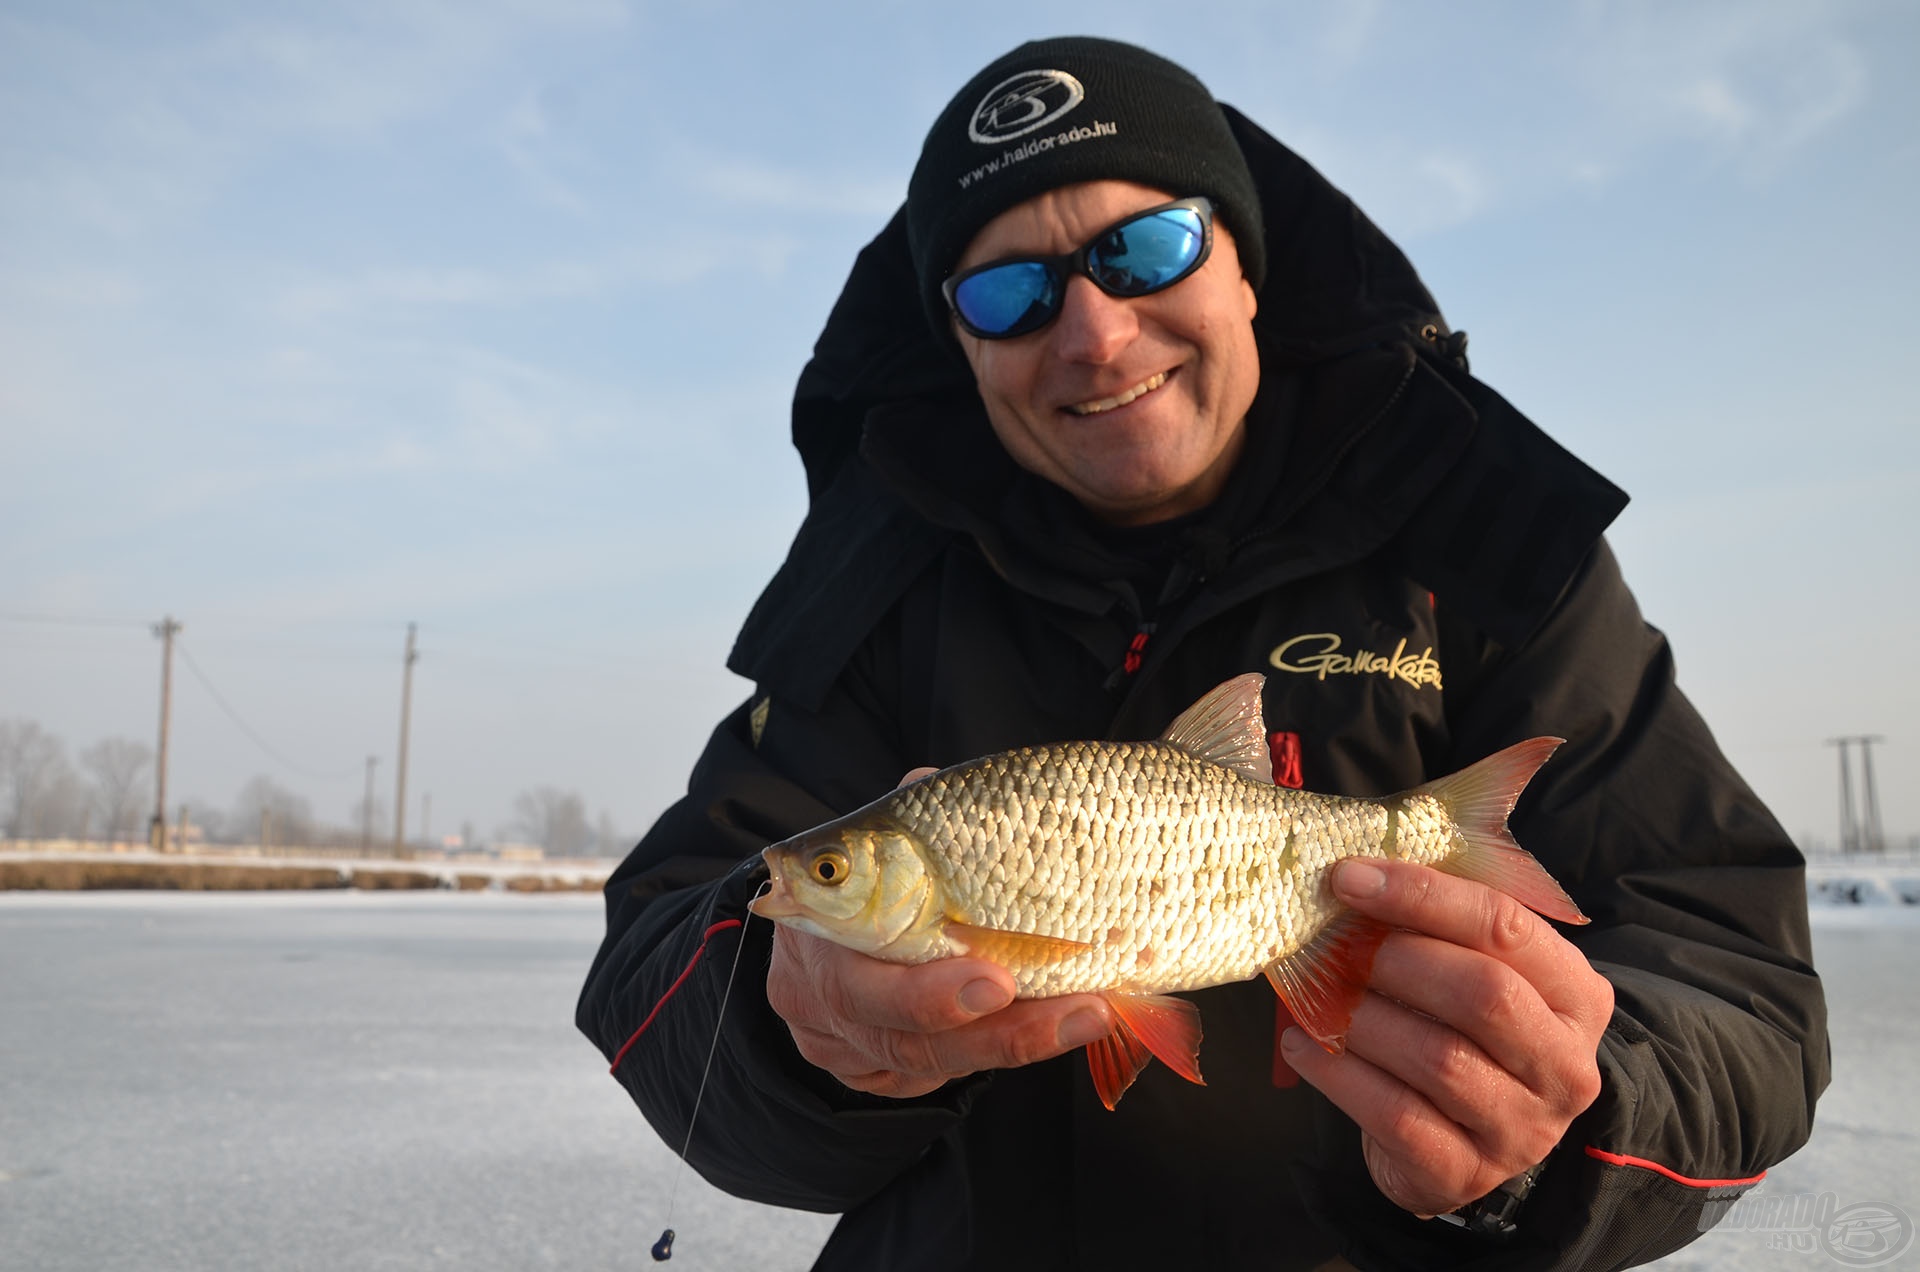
(898, 1030)
(1472, 916)
(1474, 1019)
(1436, 1100)
(1421, 1160)
(1476, 1048)
(927, 998)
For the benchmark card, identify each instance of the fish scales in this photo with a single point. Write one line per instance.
(1173, 868)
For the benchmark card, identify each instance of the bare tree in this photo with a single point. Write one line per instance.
(119, 767)
(292, 815)
(213, 823)
(607, 841)
(554, 819)
(35, 781)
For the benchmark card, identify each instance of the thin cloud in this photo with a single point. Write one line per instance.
(395, 291)
(1350, 32)
(1755, 81)
(149, 133)
(757, 184)
(536, 149)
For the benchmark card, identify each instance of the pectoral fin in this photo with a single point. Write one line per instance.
(1324, 981)
(1145, 1026)
(1013, 949)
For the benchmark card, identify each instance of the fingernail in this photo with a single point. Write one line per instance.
(1359, 879)
(978, 997)
(1082, 1028)
(1294, 1041)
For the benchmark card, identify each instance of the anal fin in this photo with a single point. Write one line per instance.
(1324, 981)
(1145, 1026)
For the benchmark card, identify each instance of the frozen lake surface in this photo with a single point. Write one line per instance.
(321, 1080)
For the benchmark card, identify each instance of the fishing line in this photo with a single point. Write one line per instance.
(663, 1248)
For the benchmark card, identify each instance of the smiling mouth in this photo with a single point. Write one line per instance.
(1145, 386)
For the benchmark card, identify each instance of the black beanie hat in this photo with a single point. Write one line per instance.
(1055, 112)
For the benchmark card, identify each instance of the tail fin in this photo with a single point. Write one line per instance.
(1478, 798)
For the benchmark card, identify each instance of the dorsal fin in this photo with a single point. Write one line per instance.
(1226, 728)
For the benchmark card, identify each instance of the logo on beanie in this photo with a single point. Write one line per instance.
(1015, 107)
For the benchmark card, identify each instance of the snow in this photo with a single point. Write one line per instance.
(392, 1081)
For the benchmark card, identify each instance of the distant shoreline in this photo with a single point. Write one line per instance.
(219, 872)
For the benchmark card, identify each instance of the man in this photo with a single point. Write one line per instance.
(1125, 402)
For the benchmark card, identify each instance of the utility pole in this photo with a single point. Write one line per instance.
(1859, 828)
(400, 781)
(157, 829)
(366, 810)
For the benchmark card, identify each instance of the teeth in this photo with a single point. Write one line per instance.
(1147, 385)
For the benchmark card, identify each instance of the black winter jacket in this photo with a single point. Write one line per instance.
(1419, 572)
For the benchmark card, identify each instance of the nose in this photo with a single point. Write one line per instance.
(1093, 327)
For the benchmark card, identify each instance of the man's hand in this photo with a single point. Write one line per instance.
(898, 1030)
(1477, 1045)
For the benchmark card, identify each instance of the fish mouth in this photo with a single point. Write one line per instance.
(775, 900)
(1100, 405)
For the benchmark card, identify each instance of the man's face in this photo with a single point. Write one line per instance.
(1137, 408)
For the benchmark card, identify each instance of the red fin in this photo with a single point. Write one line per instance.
(1014, 949)
(1478, 799)
(1225, 727)
(1145, 1026)
(1322, 983)
(1115, 1061)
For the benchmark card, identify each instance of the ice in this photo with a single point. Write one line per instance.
(378, 1081)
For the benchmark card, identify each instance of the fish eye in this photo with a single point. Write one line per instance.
(830, 867)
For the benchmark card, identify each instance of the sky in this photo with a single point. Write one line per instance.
(317, 320)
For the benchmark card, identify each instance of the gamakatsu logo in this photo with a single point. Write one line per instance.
(1318, 654)
(1017, 106)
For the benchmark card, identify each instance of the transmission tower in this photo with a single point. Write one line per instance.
(1860, 830)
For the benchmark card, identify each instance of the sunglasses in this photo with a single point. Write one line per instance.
(1147, 252)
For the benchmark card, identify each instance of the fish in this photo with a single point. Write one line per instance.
(1139, 870)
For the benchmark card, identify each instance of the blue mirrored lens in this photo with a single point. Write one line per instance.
(1145, 255)
(1138, 257)
(1002, 299)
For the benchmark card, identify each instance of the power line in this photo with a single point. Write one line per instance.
(564, 657)
(247, 729)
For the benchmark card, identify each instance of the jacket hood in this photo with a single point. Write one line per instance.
(1388, 445)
